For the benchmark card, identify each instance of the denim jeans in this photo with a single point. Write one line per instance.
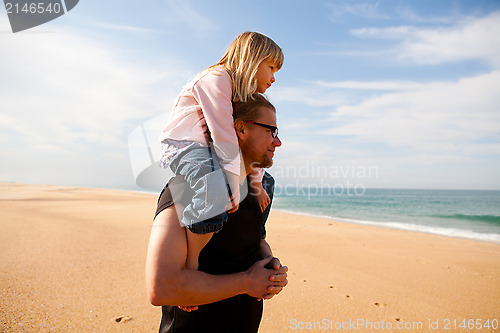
(205, 211)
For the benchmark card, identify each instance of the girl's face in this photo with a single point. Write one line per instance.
(265, 75)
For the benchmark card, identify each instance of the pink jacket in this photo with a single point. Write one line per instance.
(206, 101)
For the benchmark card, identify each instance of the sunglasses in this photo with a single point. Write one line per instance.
(273, 129)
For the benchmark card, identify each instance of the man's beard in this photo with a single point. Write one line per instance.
(265, 162)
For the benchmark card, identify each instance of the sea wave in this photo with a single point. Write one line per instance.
(435, 230)
(482, 218)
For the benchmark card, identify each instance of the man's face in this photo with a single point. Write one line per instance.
(258, 146)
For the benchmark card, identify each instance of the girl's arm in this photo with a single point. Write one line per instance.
(213, 93)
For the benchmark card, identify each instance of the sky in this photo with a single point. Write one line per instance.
(372, 94)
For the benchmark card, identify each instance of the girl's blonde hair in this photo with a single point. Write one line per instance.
(242, 59)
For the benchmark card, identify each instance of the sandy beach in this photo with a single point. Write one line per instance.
(72, 260)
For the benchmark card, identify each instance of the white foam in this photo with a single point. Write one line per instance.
(448, 232)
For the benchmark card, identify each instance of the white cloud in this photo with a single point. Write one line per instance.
(122, 28)
(181, 12)
(441, 117)
(318, 96)
(69, 100)
(486, 149)
(63, 88)
(469, 39)
(429, 160)
(375, 85)
(400, 32)
(407, 14)
(363, 10)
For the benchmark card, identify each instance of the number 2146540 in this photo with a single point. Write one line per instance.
(33, 8)
(470, 324)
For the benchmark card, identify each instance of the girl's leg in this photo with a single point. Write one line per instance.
(195, 243)
(207, 181)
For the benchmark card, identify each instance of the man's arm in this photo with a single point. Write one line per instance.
(265, 250)
(168, 282)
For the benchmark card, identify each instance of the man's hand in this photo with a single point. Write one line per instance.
(280, 276)
(274, 264)
(263, 283)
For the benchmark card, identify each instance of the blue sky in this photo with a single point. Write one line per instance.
(386, 94)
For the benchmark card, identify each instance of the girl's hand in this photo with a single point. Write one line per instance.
(234, 186)
(234, 203)
(232, 206)
(188, 308)
(262, 196)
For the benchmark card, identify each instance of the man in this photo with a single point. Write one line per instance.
(236, 268)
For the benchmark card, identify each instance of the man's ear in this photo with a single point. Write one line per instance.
(239, 127)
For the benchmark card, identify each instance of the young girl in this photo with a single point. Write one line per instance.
(199, 141)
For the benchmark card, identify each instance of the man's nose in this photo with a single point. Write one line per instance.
(272, 78)
(276, 142)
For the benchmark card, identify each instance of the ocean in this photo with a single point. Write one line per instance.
(454, 213)
(471, 214)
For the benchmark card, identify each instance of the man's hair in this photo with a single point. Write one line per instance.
(242, 59)
(250, 110)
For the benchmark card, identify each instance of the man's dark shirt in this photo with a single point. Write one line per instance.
(233, 249)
